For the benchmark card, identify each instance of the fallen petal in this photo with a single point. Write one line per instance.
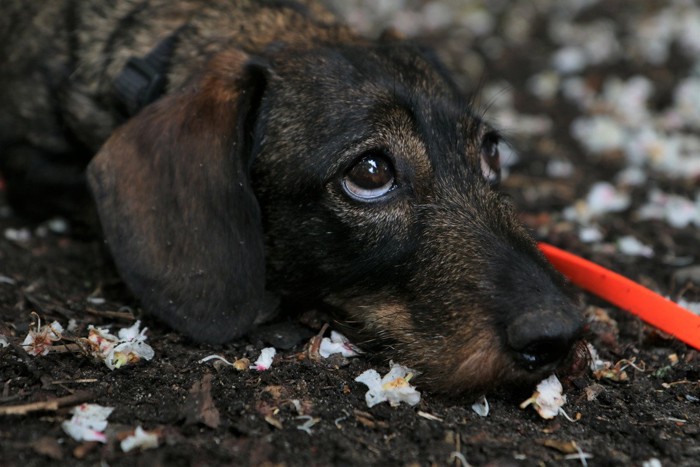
(264, 361)
(140, 440)
(337, 343)
(393, 387)
(547, 399)
(481, 407)
(88, 422)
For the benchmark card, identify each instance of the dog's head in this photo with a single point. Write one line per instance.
(353, 177)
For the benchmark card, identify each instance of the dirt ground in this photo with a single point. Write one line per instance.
(211, 414)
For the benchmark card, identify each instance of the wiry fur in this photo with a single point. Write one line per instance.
(226, 195)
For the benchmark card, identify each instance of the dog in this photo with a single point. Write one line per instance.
(247, 156)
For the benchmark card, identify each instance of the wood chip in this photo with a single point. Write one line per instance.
(200, 407)
(366, 419)
(565, 447)
(429, 416)
(84, 449)
(593, 391)
(49, 447)
(273, 421)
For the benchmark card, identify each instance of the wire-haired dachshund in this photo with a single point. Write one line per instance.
(247, 154)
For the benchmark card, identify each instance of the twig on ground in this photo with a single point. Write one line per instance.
(125, 315)
(75, 381)
(50, 405)
(65, 348)
(313, 351)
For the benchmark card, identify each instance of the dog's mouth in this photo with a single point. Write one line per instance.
(474, 357)
(487, 360)
(569, 360)
(485, 371)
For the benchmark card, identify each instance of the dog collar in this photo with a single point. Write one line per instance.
(144, 79)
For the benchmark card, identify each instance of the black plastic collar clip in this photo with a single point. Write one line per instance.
(144, 79)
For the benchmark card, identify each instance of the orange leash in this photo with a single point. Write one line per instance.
(626, 294)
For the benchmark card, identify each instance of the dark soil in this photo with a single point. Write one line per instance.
(654, 414)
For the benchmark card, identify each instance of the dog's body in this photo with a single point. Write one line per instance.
(288, 159)
(61, 59)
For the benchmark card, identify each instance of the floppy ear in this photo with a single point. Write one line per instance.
(173, 193)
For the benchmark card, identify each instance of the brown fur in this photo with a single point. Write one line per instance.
(228, 195)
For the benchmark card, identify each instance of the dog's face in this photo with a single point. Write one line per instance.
(372, 189)
(378, 200)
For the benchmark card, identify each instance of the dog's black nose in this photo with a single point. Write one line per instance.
(543, 338)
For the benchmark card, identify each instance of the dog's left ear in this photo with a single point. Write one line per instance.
(173, 193)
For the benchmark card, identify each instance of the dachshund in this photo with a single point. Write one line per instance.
(246, 156)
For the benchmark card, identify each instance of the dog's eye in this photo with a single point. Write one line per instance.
(490, 159)
(372, 176)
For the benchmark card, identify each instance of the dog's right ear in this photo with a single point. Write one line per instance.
(173, 192)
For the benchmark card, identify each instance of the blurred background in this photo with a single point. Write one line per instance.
(600, 102)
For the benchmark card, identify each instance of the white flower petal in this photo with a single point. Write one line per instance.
(88, 422)
(265, 359)
(693, 307)
(481, 407)
(38, 342)
(102, 340)
(128, 352)
(132, 332)
(81, 433)
(55, 330)
(547, 399)
(629, 245)
(393, 387)
(128, 348)
(94, 413)
(140, 439)
(596, 363)
(337, 343)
